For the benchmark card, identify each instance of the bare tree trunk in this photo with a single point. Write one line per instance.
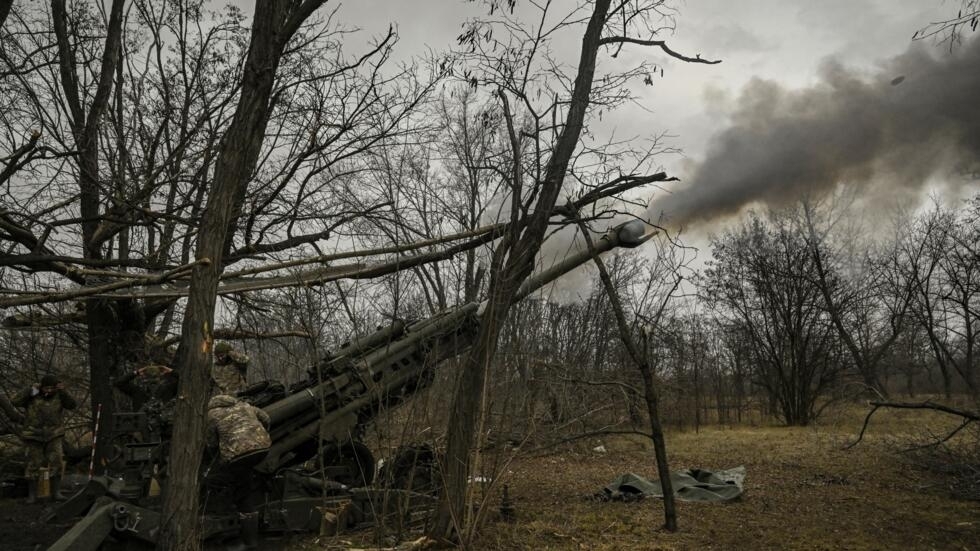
(649, 387)
(866, 361)
(104, 325)
(659, 445)
(520, 251)
(273, 24)
(696, 377)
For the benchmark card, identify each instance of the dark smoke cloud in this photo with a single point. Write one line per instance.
(916, 117)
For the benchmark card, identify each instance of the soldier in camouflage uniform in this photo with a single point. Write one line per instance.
(229, 374)
(44, 431)
(238, 432)
(150, 382)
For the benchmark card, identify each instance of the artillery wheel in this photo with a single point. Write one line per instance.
(350, 463)
(414, 468)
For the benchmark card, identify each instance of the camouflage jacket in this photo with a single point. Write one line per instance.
(43, 417)
(229, 377)
(139, 388)
(236, 428)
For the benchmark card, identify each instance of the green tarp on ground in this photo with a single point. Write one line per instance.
(688, 484)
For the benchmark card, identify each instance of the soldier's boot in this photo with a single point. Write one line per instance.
(31, 490)
(250, 530)
(56, 489)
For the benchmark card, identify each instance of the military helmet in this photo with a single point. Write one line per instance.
(49, 380)
(222, 347)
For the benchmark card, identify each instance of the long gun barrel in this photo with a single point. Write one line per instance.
(393, 363)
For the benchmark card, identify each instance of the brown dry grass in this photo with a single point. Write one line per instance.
(802, 492)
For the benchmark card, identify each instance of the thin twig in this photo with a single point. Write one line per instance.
(937, 443)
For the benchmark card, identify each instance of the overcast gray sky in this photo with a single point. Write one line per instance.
(781, 40)
(786, 44)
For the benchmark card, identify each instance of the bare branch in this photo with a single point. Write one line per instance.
(660, 44)
(968, 417)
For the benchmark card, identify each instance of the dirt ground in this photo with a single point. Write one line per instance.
(802, 492)
(21, 528)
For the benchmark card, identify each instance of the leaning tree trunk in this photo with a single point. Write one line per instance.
(650, 394)
(866, 364)
(504, 283)
(275, 22)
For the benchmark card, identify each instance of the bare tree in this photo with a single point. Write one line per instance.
(650, 393)
(542, 140)
(86, 108)
(116, 158)
(160, 98)
(759, 277)
(945, 268)
(274, 24)
(869, 306)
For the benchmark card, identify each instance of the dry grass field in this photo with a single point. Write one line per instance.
(802, 492)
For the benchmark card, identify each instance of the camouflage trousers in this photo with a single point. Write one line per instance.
(238, 480)
(44, 454)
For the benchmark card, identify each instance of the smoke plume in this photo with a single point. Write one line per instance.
(916, 117)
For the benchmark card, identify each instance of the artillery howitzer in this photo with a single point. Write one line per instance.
(321, 417)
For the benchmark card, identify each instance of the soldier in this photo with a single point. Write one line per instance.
(238, 432)
(228, 376)
(44, 431)
(150, 382)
